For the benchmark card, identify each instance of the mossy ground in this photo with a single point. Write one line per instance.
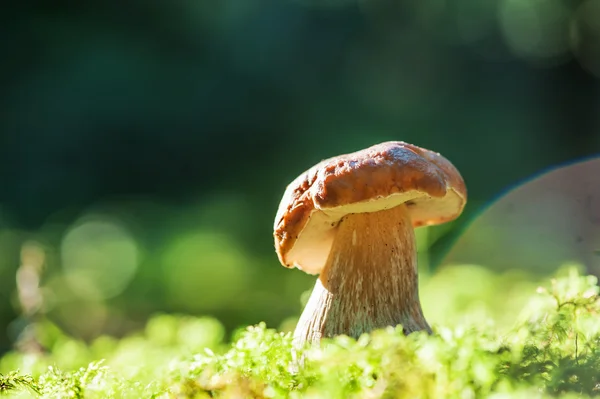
(548, 348)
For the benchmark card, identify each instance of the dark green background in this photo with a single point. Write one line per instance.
(172, 116)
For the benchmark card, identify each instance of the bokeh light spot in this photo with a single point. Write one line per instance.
(99, 257)
(204, 271)
(536, 30)
(585, 36)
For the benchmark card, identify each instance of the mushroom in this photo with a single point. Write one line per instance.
(351, 220)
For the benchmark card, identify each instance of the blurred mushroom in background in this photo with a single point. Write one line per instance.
(539, 225)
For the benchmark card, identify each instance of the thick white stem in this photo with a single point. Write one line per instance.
(370, 279)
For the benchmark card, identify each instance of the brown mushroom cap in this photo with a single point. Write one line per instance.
(379, 177)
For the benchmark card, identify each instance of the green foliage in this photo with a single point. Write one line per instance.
(14, 381)
(550, 350)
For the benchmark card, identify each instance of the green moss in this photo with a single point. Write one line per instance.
(549, 350)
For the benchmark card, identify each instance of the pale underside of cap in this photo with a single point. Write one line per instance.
(380, 177)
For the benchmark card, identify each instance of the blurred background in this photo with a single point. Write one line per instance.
(145, 145)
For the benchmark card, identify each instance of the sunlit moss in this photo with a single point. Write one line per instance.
(550, 351)
(477, 295)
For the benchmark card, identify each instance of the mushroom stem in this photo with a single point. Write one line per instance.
(369, 281)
